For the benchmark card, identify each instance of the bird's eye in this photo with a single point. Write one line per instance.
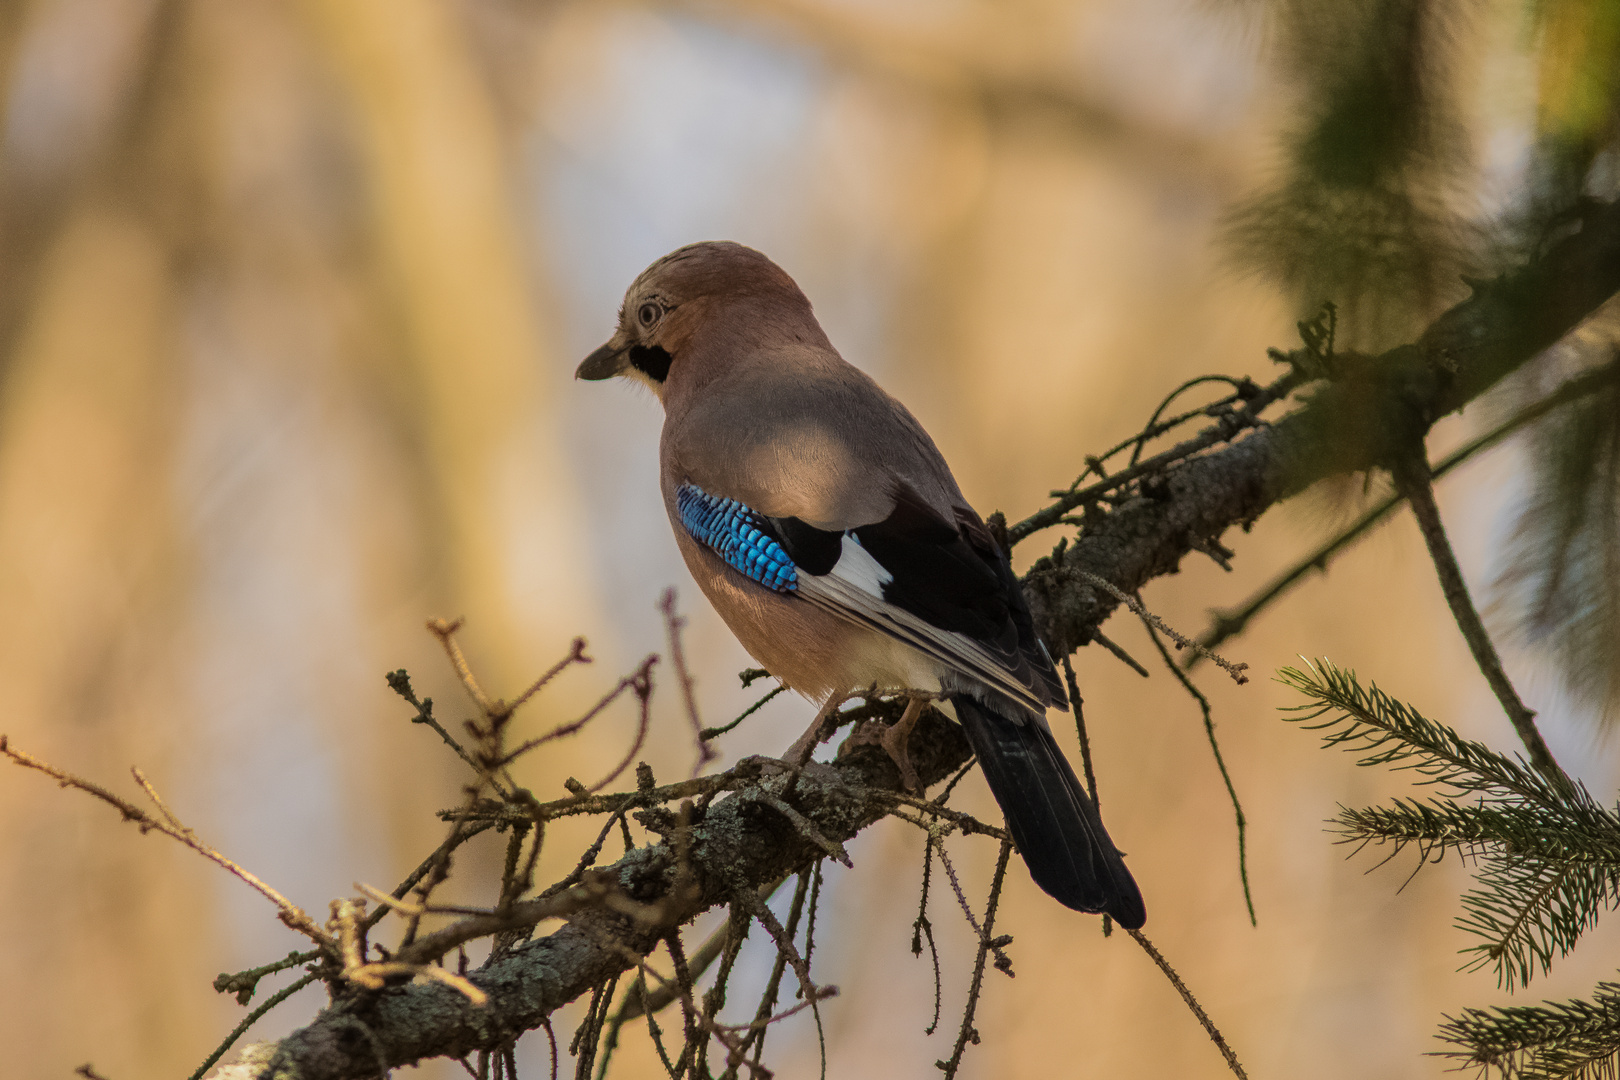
(648, 313)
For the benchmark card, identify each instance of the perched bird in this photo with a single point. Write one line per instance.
(826, 529)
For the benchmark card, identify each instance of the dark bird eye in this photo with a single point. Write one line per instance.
(648, 313)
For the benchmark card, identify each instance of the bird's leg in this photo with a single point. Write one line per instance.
(894, 740)
(806, 744)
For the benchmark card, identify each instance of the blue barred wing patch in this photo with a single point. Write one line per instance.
(738, 535)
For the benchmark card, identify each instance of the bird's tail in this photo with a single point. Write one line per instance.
(1052, 820)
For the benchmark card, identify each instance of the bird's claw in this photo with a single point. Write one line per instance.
(894, 740)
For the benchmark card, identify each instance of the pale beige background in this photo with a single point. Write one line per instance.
(290, 295)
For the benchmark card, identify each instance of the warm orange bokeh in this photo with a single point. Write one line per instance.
(291, 298)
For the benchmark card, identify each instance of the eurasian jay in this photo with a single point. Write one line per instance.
(826, 529)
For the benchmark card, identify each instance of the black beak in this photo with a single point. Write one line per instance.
(604, 363)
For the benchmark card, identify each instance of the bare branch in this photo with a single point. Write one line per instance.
(673, 624)
(1412, 477)
(291, 914)
(1210, 1029)
(1182, 642)
(1463, 353)
(445, 631)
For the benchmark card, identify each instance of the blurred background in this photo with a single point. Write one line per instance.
(291, 294)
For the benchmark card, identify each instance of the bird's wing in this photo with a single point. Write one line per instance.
(910, 576)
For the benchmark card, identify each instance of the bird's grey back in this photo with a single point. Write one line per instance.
(793, 430)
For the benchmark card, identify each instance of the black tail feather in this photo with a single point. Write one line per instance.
(1053, 822)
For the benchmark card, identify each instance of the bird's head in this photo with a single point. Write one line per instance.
(690, 311)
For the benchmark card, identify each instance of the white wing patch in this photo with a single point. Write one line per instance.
(856, 566)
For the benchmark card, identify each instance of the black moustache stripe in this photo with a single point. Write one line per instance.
(651, 360)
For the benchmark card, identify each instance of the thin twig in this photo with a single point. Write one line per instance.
(400, 683)
(597, 890)
(643, 688)
(783, 937)
(1181, 640)
(731, 934)
(950, 785)
(673, 624)
(394, 903)
(1003, 962)
(1077, 705)
(576, 655)
(586, 860)
(587, 804)
(968, 1033)
(1223, 430)
(715, 732)
(786, 955)
(653, 1031)
(1192, 1003)
(638, 681)
(1154, 429)
(445, 631)
(713, 946)
(157, 800)
(425, 867)
(440, 870)
(1228, 624)
(1118, 650)
(243, 983)
(1412, 477)
(956, 884)
(1220, 763)
(802, 825)
(587, 1038)
(922, 928)
(375, 977)
(291, 914)
(249, 1020)
(684, 988)
(551, 1038)
(966, 823)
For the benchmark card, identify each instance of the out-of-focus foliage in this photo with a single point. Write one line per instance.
(1372, 211)
(1559, 579)
(1366, 213)
(1579, 100)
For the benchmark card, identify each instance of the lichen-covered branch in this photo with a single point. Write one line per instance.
(1363, 417)
(737, 839)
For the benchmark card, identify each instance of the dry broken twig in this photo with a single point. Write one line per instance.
(291, 914)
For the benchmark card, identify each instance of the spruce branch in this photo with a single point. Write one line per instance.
(1541, 880)
(1569, 1040)
(1390, 732)
(1548, 855)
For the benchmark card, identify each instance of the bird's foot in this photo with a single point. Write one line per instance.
(806, 744)
(895, 738)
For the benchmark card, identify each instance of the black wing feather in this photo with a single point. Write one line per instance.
(940, 576)
(813, 550)
(951, 574)
(954, 576)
